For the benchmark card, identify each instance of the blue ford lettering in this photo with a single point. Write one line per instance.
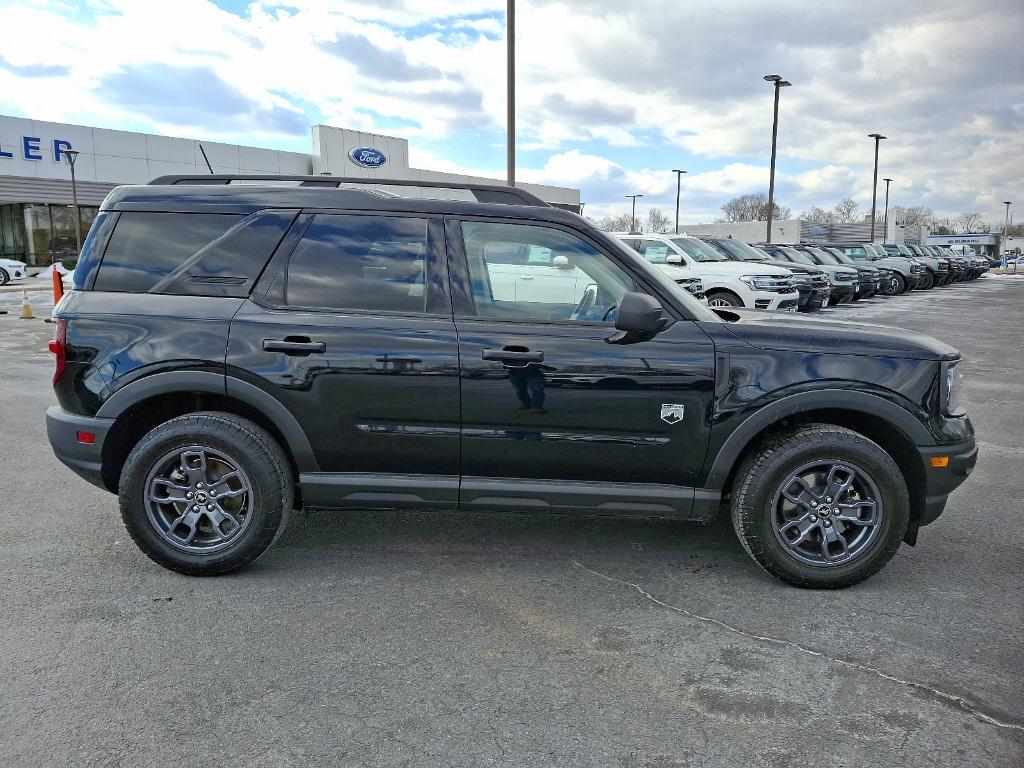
(368, 157)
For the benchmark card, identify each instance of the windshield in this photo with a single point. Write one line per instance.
(824, 257)
(655, 275)
(691, 246)
(876, 249)
(798, 256)
(740, 250)
(842, 258)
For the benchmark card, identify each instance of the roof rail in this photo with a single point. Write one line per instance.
(484, 193)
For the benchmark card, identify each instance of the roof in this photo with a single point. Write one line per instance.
(246, 198)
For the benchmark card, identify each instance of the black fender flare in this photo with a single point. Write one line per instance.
(219, 384)
(847, 400)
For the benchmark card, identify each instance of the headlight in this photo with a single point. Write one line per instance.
(759, 282)
(952, 390)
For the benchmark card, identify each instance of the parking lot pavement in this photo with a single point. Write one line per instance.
(516, 639)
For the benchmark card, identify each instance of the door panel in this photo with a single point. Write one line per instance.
(552, 409)
(374, 383)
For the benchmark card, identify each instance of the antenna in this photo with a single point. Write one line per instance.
(206, 158)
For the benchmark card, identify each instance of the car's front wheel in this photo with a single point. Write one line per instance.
(206, 493)
(820, 506)
(897, 286)
(4, 277)
(724, 299)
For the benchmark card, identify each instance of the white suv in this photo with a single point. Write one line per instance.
(726, 283)
(11, 270)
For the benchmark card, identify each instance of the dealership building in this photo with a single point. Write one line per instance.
(37, 217)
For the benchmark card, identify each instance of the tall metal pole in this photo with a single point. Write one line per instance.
(72, 156)
(510, 42)
(885, 236)
(1006, 224)
(874, 183)
(779, 83)
(679, 176)
(632, 221)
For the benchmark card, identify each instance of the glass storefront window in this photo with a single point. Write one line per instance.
(40, 234)
(37, 225)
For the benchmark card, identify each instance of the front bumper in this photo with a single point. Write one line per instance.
(842, 293)
(772, 301)
(813, 299)
(941, 481)
(84, 459)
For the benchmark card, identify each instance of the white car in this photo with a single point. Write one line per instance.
(11, 270)
(726, 283)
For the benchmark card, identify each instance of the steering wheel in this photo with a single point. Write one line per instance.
(588, 300)
(610, 310)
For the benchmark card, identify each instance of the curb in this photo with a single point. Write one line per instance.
(19, 288)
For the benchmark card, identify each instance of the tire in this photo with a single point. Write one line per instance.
(927, 281)
(197, 454)
(897, 286)
(724, 299)
(763, 517)
(4, 277)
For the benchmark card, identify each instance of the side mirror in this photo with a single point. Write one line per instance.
(561, 262)
(673, 258)
(639, 313)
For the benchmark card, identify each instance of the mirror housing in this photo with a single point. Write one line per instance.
(561, 262)
(673, 258)
(639, 313)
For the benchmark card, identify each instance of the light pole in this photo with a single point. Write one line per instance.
(874, 184)
(632, 220)
(779, 83)
(510, 43)
(1006, 224)
(679, 176)
(72, 156)
(886, 225)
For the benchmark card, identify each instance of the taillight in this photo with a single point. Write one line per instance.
(59, 346)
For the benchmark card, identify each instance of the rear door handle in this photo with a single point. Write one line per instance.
(294, 345)
(506, 356)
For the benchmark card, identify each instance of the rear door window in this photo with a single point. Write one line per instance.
(352, 262)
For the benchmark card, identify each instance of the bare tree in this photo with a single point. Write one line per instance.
(658, 221)
(619, 222)
(817, 215)
(845, 211)
(917, 214)
(968, 221)
(752, 207)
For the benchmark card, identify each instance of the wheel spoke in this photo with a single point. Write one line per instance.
(830, 536)
(840, 478)
(194, 464)
(190, 520)
(854, 512)
(805, 528)
(174, 492)
(806, 495)
(218, 515)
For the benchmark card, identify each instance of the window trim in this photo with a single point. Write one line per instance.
(437, 302)
(464, 305)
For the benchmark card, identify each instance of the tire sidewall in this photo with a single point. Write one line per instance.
(868, 457)
(4, 277)
(268, 507)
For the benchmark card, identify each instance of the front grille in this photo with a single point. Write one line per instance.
(846, 276)
(819, 281)
(778, 284)
(916, 269)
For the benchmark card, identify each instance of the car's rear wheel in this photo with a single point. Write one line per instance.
(724, 299)
(206, 493)
(820, 506)
(4, 277)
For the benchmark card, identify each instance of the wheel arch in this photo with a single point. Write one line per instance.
(140, 406)
(893, 428)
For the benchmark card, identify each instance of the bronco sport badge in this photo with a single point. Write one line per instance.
(671, 413)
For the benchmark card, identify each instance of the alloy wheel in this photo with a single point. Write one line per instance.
(827, 513)
(199, 499)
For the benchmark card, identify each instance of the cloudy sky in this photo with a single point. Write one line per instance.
(611, 95)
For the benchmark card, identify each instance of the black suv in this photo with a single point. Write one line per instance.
(233, 352)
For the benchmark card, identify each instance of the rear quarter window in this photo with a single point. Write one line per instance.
(196, 254)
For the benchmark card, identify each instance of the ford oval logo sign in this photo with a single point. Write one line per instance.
(368, 157)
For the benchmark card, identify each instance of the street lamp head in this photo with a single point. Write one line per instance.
(784, 83)
(887, 179)
(71, 154)
(1007, 202)
(773, 78)
(876, 136)
(676, 170)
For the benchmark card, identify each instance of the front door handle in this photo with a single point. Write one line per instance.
(294, 345)
(508, 356)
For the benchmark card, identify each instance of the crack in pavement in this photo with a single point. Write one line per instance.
(957, 702)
